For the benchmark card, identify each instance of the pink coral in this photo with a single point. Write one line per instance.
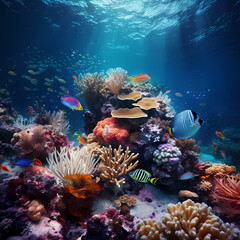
(118, 132)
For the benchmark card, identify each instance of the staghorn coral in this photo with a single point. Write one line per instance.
(81, 186)
(148, 229)
(35, 210)
(118, 132)
(115, 80)
(90, 87)
(226, 193)
(189, 220)
(72, 161)
(115, 164)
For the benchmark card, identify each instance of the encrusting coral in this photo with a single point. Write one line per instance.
(72, 161)
(115, 80)
(226, 193)
(115, 164)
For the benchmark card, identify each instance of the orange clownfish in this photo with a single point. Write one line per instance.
(219, 134)
(81, 140)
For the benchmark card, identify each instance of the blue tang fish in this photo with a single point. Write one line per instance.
(22, 162)
(71, 102)
(143, 176)
(187, 175)
(185, 124)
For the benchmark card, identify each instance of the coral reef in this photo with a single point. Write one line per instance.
(69, 161)
(147, 103)
(128, 113)
(110, 225)
(131, 96)
(115, 164)
(226, 193)
(35, 210)
(115, 80)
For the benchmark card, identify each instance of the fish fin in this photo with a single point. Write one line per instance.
(132, 79)
(170, 131)
(72, 109)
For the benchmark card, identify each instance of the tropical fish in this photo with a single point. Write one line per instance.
(187, 175)
(50, 89)
(143, 176)
(37, 161)
(34, 81)
(61, 80)
(107, 130)
(71, 102)
(28, 77)
(22, 162)
(223, 154)
(27, 88)
(81, 140)
(67, 92)
(185, 124)
(140, 79)
(75, 134)
(214, 144)
(10, 80)
(166, 136)
(12, 73)
(168, 91)
(74, 77)
(178, 94)
(47, 83)
(215, 148)
(32, 72)
(4, 168)
(202, 104)
(199, 141)
(219, 134)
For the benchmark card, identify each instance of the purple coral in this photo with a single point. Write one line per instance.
(167, 153)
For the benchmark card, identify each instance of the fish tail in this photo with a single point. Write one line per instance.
(223, 138)
(170, 131)
(132, 79)
(153, 181)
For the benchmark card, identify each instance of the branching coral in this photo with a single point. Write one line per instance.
(90, 87)
(148, 230)
(189, 220)
(115, 164)
(115, 80)
(71, 161)
(226, 193)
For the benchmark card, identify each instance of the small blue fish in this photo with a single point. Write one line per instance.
(22, 162)
(188, 175)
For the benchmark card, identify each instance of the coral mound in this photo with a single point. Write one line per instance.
(118, 132)
(189, 220)
(148, 230)
(35, 210)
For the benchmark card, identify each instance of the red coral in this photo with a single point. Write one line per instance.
(226, 193)
(118, 133)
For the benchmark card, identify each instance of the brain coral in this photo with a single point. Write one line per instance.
(118, 133)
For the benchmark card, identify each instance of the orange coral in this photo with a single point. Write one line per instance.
(81, 186)
(226, 192)
(220, 170)
(118, 133)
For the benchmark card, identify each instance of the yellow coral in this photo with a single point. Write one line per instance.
(115, 164)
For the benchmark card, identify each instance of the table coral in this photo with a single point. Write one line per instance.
(115, 164)
(118, 132)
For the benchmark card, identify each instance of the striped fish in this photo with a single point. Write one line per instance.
(143, 176)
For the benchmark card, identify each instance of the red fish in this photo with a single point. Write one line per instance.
(74, 77)
(81, 140)
(200, 141)
(5, 169)
(166, 136)
(37, 161)
(219, 134)
(168, 91)
(67, 92)
(214, 144)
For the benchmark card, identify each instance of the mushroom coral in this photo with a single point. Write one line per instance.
(226, 193)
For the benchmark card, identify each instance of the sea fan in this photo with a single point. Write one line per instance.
(22, 122)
